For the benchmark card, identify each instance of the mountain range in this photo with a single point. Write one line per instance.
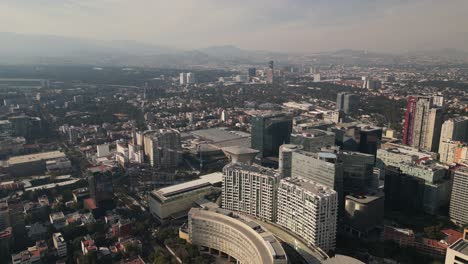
(47, 49)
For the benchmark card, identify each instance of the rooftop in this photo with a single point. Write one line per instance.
(253, 168)
(365, 198)
(216, 135)
(267, 245)
(309, 186)
(35, 157)
(204, 181)
(461, 245)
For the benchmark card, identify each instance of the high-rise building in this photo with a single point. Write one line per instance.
(421, 121)
(101, 188)
(371, 84)
(323, 168)
(347, 102)
(270, 72)
(269, 132)
(455, 129)
(409, 120)
(403, 192)
(285, 159)
(183, 78)
(358, 172)
(369, 139)
(163, 148)
(251, 72)
(250, 189)
(453, 152)
(317, 77)
(310, 210)
(313, 139)
(458, 205)
(191, 78)
(438, 100)
(432, 133)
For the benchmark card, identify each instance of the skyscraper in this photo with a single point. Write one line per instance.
(358, 171)
(250, 189)
(458, 204)
(251, 72)
(323, 168)
(183, 78)
(421, 121)
(369, 139)
(163, 148)
(101, 189)
(347, 102)
(269, 132)
(409, 120)
(403, 192)
(310, 210)
(455, 129)
(270, 72)
(432, 133)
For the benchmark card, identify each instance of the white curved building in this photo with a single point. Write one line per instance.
(234, 235)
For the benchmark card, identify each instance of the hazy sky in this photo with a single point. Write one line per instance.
(284, 25)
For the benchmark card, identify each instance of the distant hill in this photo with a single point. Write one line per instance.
(47, 49)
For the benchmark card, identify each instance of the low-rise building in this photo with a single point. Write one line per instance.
(175, 201)
(363, 213)
(236, 236)
(60, 245)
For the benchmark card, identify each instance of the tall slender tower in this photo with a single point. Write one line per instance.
(409, 120)
(270, 72)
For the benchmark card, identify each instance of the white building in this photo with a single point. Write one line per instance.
(183, 78)
(103, 150)
(250, 189)
(242, 239)
(455, 129)
(60, 245)
(163, 148)
(458, 205)
(457, 253)
(309, 210)
(176, 200)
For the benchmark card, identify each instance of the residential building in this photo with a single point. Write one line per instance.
(455, 129)
(250, 189)
(309, 210)
(458, 202)
(347, 102)
(163, 148)
(453, 152)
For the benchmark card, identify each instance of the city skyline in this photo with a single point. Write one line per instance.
(286, 26)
